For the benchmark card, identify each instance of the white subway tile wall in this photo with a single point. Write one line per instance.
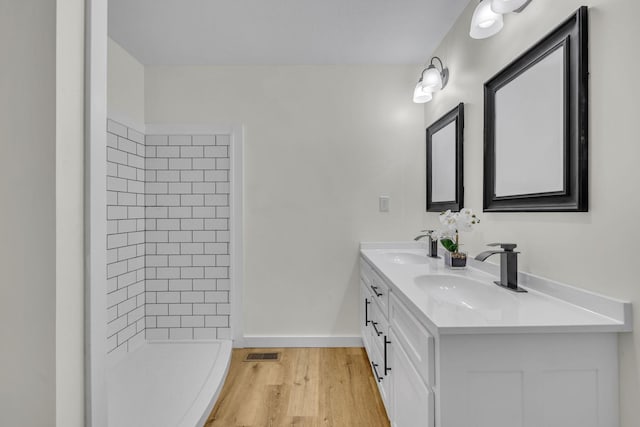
(125, 238)
(187, 237)
(167, 237)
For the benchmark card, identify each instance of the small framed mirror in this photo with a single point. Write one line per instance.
(535, 130)
(444, 162)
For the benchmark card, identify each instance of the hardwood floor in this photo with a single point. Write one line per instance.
(308, 387)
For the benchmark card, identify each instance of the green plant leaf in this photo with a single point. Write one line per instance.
(449, 245)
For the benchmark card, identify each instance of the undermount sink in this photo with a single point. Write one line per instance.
(464, 292)
(404, 258)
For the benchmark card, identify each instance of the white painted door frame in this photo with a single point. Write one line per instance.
(95, 213)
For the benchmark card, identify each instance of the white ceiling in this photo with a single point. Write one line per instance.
(288, 32)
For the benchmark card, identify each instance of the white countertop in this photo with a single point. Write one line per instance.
(548, 307)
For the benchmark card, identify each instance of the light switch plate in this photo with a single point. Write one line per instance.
(383, 203)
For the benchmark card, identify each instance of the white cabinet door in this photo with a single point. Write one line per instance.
(412, 401)
(417, 342)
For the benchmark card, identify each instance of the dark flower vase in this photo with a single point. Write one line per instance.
(455, 260)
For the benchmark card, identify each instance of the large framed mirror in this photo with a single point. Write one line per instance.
(445, 188)
(536, 123)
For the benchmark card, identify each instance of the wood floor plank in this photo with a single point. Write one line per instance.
(307, 387)
(303, 400)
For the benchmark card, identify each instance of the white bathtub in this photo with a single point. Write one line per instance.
(167, 384)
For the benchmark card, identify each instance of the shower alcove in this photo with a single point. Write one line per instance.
(173, 269)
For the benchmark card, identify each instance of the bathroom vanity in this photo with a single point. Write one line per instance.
(451, 349)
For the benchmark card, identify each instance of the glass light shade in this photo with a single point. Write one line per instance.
(485, 22)
(431, 79)
(420, 95)
(507, 6)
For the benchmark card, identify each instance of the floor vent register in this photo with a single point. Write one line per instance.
(262, 357)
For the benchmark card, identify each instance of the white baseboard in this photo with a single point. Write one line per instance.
(301, 341)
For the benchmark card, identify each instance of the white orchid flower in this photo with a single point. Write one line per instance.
(467, 219)
(445, 216)
(449, 220)
(452, 224)
(441, 234)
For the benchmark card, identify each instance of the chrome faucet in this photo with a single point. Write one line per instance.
(508, 265)
(433, 243)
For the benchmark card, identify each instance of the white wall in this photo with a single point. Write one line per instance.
(321, 144)
(125, 87)
(27, 216)
(41, 185)
(69, 204)
(594, 250)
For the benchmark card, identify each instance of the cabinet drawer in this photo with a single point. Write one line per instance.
(379, 328)
(365, 316)
(417, 342)
(365, 272)
(378, 288)
(380, 293)
(382, 377)
(365, 305)
(374, 326)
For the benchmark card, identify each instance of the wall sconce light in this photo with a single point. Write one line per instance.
(507, 6)
(431, 80)
(487, 18)
(420, 95)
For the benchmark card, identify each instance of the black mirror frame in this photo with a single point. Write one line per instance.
(573, 35)
(455, 115)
